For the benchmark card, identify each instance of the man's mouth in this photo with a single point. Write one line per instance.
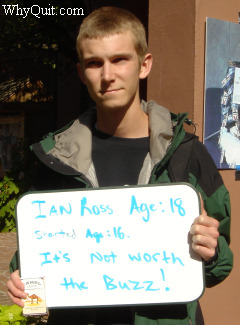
(109, 91)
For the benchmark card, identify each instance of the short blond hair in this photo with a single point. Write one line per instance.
(107, 21)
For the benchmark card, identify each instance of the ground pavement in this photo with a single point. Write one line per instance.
(8, 246)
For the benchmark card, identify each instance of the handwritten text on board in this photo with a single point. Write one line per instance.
(111, 246)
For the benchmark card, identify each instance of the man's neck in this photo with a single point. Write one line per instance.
(123, 123)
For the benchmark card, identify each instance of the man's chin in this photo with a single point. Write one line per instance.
(111, 105)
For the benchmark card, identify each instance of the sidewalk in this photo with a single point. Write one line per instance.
(8, 246)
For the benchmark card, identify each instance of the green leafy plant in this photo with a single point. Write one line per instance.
(12, 315)
(16, 182)
(8, 198)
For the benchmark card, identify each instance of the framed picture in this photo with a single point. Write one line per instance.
(222, 93)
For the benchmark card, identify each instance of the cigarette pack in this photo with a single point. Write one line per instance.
(35, 303)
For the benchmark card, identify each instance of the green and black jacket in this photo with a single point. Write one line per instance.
(174, 156)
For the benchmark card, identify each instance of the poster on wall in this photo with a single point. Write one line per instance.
(222, 93)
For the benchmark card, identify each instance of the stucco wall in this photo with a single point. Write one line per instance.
(171, 40)
(177, 41)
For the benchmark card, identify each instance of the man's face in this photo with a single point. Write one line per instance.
(111, 71)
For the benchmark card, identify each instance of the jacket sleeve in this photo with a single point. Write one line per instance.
(14, 265)
(218, 206)
(207, 180)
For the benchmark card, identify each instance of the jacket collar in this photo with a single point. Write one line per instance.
(72, 145)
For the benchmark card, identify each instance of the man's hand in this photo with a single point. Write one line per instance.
(204, 231)
(16, 289)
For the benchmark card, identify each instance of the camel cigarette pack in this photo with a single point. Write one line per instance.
(35, 303)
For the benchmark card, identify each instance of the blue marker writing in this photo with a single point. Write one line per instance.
(46, 261)
(39, 206)
(73, 285)
(107, 257)
(163, 276)
(112, 284)
(142, 208)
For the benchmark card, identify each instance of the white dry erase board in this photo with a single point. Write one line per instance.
(112, 246)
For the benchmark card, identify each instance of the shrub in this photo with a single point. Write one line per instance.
(12, 315)
(9, 195)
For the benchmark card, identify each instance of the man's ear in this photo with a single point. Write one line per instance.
(146, 66)
(80, 72)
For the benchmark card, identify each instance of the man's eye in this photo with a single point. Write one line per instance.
(119, 60)
(92, 64)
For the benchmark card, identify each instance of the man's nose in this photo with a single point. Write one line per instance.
(108, 73)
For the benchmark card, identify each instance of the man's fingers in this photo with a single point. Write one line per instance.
(15, 300)
(202, 240)
(203, 211)
(206, 221)
(15, 278)
(204, 231)
(204, 251)
(16, 289)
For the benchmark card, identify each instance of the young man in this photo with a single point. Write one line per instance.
(124, 142)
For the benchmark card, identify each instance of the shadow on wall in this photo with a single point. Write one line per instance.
(213, 123)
